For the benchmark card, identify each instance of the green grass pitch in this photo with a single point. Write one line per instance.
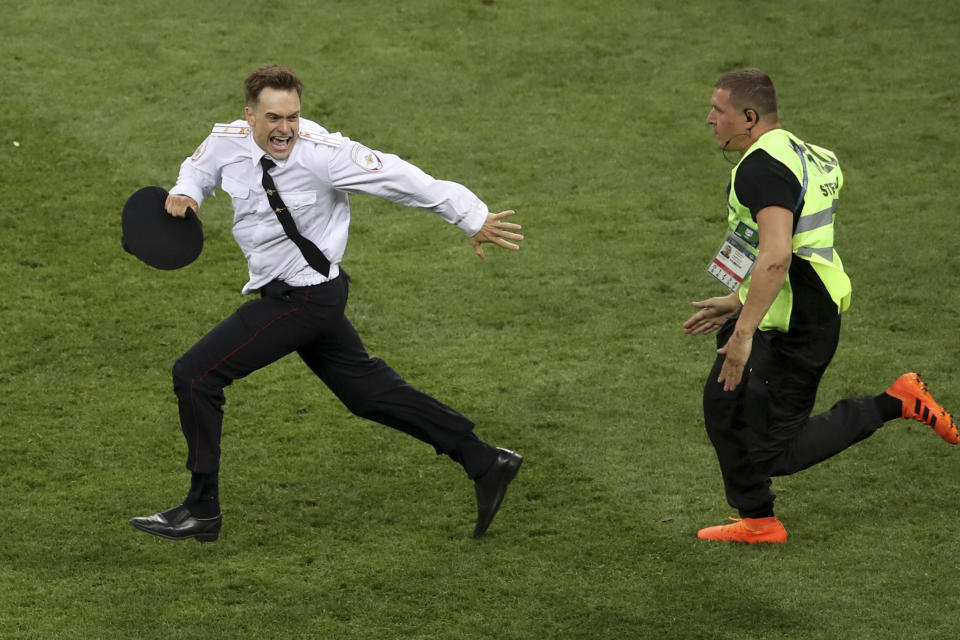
(587, 118)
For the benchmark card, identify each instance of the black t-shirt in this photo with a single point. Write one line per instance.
(763, 181)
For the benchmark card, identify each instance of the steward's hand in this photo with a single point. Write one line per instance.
(713, 313)
(495, 230)
(177, 205)
(737, 352)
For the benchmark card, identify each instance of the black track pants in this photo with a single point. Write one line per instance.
(763, 428)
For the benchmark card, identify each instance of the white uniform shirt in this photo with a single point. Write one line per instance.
(313, 182)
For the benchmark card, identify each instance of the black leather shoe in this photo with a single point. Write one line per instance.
(178, 524)
(492, 487)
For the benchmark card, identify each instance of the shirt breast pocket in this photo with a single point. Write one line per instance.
(298, 201)
(300, 205)
(240, 195)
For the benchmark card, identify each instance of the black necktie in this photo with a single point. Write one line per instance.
(314, 256)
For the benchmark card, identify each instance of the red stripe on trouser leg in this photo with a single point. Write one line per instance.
(207, 388)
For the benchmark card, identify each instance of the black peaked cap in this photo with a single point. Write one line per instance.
(156, 237)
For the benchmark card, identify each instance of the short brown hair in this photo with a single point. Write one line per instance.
(750, 89)
(273, 76)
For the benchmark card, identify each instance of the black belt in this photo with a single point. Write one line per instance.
(281, 290)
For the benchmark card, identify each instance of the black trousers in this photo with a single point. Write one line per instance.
(763, 428)
(310, 321)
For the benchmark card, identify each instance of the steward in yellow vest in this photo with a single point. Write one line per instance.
(779, 326)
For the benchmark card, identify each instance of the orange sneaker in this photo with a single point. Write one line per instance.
(750, 530)
(919, 405)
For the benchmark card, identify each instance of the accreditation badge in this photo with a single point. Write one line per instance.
(733, 262)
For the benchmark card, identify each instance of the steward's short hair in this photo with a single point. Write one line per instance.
(273, 76)
(750, 88)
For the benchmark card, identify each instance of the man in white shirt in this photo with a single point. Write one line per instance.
(289, 180)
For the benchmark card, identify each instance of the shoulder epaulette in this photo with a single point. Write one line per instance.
(230, 130)
(321, 137)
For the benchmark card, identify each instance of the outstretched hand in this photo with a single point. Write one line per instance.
(495, 230)
(712, 313)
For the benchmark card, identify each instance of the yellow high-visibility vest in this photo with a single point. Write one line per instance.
(821, 179)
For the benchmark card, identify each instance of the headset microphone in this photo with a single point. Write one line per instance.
(723, 150)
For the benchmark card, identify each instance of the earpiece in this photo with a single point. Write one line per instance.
(746, 112)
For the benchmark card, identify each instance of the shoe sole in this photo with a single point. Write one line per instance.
(210, 536)
(739, 541)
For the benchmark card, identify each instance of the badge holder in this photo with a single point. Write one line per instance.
(733, 262)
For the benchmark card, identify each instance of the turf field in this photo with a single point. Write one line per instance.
(587, 118)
